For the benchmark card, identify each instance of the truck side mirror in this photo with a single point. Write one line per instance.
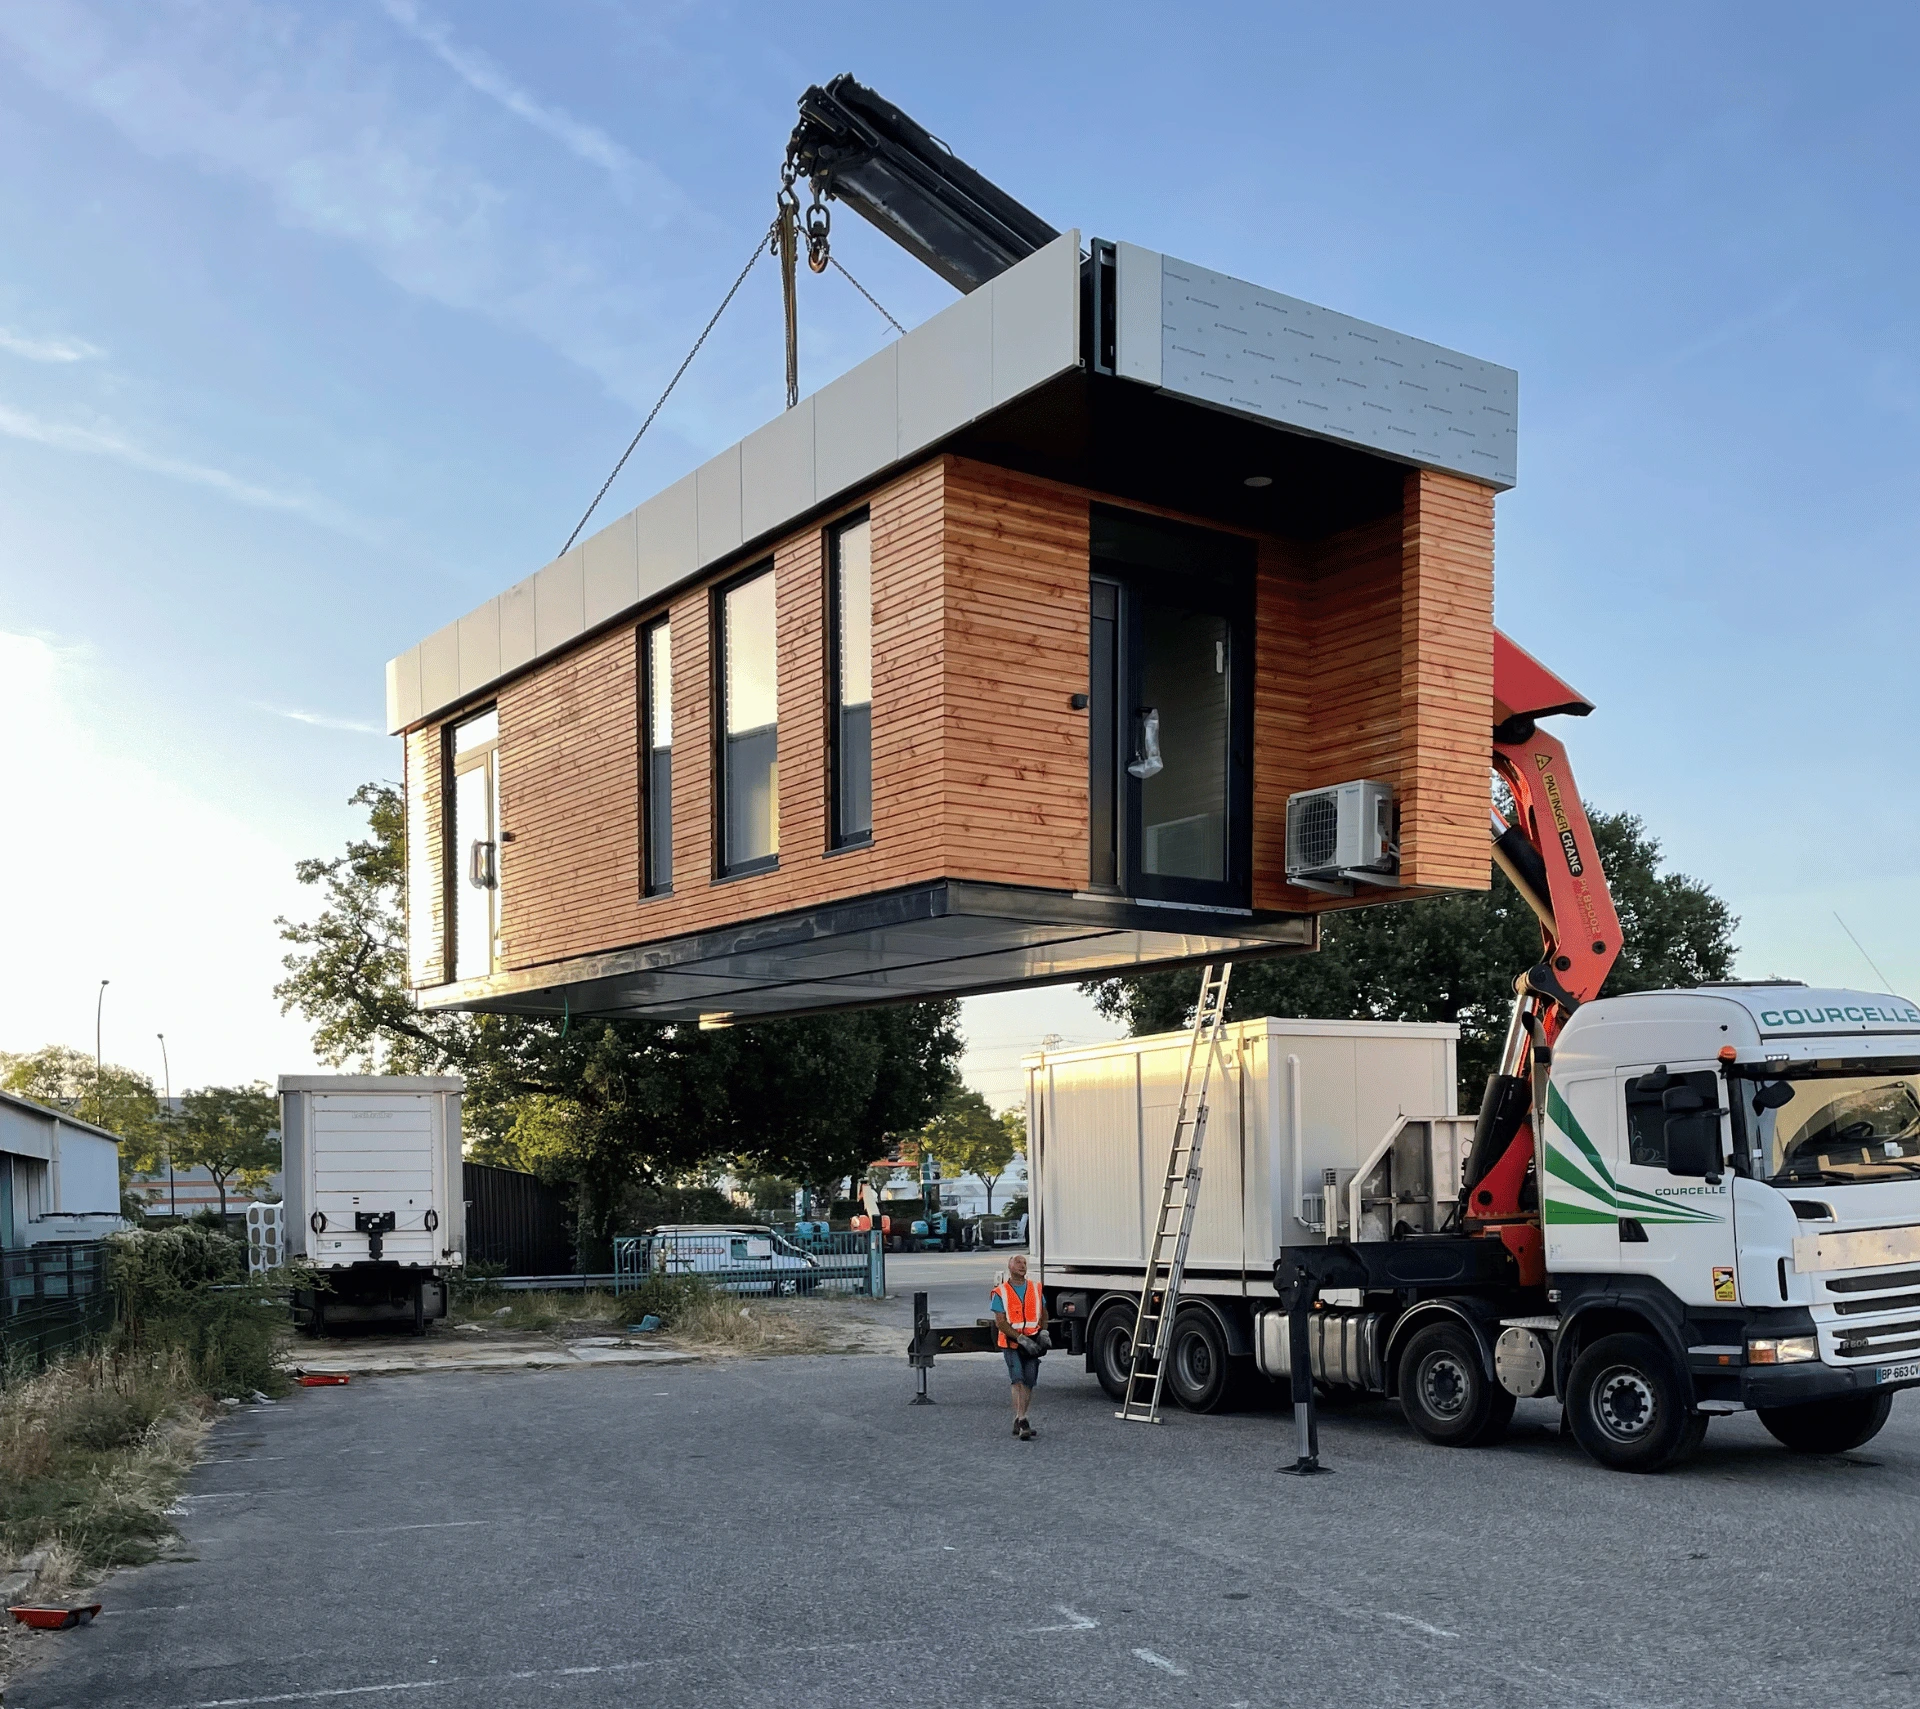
(1774, 1095)
(1693, 1143)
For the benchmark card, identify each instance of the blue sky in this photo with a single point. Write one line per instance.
(319, 324)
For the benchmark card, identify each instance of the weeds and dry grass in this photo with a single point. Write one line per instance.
(92, 1451)
(592, 1310)
(726, 1323)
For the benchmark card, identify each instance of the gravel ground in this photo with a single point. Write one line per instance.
(790, 1531)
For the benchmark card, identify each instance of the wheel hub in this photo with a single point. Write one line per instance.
(1443, 1385)
(1624, 1404)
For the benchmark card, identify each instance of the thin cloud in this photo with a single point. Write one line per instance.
(93, 442)
(321, 720)
(588, 142)
(48, 349)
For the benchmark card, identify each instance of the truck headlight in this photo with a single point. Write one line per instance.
(1782, 1350)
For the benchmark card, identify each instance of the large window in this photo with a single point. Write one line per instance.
(475, 866)
(750, 727)
(656, 663)
(852, 558)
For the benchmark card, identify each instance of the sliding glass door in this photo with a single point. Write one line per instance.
(1171, 703)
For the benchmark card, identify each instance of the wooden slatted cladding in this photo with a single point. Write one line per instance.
(1374, 659)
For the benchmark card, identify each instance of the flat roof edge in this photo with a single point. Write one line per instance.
(974, 357)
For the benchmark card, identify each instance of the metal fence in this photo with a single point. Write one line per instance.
(515, 1220)
(53, 1297)
(755, 1261)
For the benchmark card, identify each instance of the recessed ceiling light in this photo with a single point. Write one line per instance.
(1259, 481)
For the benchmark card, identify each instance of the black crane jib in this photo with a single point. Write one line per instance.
(858, 148)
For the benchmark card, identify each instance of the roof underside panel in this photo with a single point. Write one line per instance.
(940, 940)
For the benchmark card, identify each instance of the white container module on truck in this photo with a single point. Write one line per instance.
(1730, 1201)
(1296, 1109)
(374, 1194)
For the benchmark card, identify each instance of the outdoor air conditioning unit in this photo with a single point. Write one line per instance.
(1342, 834)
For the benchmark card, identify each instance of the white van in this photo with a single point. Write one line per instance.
(741, 1257)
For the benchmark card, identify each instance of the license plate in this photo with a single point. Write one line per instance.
(1907, 1373)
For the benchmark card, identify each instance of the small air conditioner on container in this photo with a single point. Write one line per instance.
(1342, 834)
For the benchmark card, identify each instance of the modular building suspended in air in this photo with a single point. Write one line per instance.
(1121, 615)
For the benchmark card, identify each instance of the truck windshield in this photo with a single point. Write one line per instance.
(1841, 1125)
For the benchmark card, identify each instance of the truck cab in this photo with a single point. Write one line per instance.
(1735, 1172)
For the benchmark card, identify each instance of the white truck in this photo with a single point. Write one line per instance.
(1731, 1212)
(374, 1195)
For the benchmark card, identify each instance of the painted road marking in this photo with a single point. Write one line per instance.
(1417, 1625)
(1075, 1622)
(1161, 1662)
(430, 1525)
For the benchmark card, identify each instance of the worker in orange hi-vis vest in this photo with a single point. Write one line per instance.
(1021, 1315)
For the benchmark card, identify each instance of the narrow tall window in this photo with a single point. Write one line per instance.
(475, 867)
(853, 683)
(656, 643)
(749, 758)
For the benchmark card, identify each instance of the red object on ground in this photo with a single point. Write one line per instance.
(324, 1379)
(54, 1619)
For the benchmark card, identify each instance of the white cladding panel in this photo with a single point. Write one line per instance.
(1296, 1098)
(87, 1176)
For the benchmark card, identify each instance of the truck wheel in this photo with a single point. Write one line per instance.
(1198, 1370)
(1828, 1426)
(1111, 1344)
(1628, 1408)
(1445, 1390)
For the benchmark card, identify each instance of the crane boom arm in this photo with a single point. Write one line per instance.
(859, 148)
(1547, 850)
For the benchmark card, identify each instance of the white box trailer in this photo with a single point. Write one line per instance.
(1316, 1130)
(374, 1194)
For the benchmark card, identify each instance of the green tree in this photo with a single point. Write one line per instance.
(606, 1106)
(967, 1138)
(1454, 958)
(232, 1132)
(121, 1100)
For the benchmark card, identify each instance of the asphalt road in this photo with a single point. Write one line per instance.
(956, 1283)
(791, 1532)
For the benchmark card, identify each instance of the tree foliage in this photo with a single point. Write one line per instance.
(232, 1132)
(606, 1105)
(121, 1100)
(1454, 958)
(967, 1138)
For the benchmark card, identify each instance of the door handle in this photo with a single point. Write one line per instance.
(482, 873)
(1146, 753)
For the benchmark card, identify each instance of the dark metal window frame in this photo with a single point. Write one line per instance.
(717, 629)
(650, 882)
(864, 839)
(1236, 603)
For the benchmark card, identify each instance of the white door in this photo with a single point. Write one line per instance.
(476, 846)
(374, 1155)
(1677, 1228)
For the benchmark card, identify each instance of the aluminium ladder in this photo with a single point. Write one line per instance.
(1179, 1196)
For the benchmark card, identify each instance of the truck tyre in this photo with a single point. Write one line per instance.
(1111, 1344)
(1629, 1408)
(1198, 1369)
(1445, 1390)
(1828, 1426)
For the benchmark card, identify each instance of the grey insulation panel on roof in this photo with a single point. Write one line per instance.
(1221, 341)
(1014, 333)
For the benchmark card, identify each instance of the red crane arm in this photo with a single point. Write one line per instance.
(1547, 850)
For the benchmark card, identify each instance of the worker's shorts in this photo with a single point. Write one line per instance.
(1021, 1367)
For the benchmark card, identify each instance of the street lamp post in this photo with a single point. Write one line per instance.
(166, 1079)
(99, 1098)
